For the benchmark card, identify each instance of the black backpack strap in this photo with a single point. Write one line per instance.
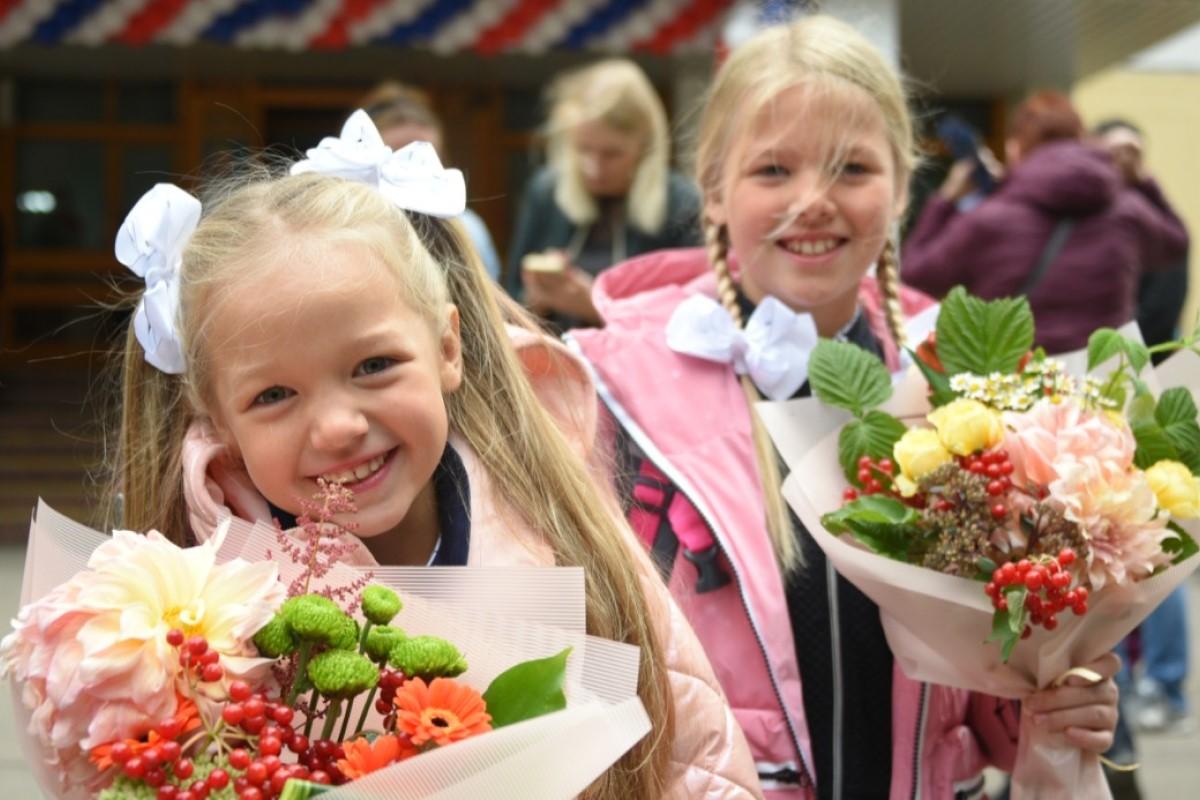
(1058, 237)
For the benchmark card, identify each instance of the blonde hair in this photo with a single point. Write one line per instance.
(617, 93)
(825, 55)
(530, 463)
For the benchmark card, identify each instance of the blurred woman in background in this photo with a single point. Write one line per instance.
(606, 194)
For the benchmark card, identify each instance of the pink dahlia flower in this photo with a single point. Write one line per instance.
(1085, 460)
(91, 656)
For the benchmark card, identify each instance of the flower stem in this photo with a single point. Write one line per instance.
(311, 714)
(301, 666)
(362, 720)
(331, 715)
(346, 719)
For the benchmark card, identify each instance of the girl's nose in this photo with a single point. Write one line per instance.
(337, 427)
(813, 208)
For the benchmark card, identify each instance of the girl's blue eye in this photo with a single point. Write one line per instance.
(276, 394)
(854, 168)
(374, 365)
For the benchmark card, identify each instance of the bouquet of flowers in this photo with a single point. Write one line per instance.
(145, 670)
(1012, 517)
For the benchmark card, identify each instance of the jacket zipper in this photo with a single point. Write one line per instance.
(920, 741)
(660, 461)
(835, 644)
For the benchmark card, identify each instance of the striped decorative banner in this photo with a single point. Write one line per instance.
(445, 26)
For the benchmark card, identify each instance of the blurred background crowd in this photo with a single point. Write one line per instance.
(572, 122)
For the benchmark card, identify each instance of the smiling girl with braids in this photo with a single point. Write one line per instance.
(805, 150)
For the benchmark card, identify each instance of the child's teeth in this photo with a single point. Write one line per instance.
(359, 473)
(812, 248)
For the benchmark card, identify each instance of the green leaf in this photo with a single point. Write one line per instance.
(982, 337)
(884, 524)
(1176, 413)
(296, 789)
(939, 385)
(1191, 459)
(1008, 625)
(986, 567)
(1103, 344)
(844, 375)
(1182, 548)
(528, 690)
(1152, 445)
(874, 435)
(1175, 405)
(1139, 356)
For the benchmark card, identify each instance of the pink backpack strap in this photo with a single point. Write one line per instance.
(664, 519)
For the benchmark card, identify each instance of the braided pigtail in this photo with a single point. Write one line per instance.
(887, 274)
(779, 521)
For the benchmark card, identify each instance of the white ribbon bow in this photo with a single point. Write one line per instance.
(773, 348)
(150, 243)
(412, 177)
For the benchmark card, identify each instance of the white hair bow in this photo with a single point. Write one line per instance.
(773, 348)
(412, 177)
(150, 243)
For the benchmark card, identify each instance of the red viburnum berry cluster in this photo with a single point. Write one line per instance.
(1047, 582)
(389, 681)
(875, 477)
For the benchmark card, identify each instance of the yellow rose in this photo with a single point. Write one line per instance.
(1176, 488)
(966, 426)
(918, 453)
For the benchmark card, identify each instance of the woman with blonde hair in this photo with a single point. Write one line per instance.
(607, 193)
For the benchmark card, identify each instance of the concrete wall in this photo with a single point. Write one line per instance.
(1166, 105)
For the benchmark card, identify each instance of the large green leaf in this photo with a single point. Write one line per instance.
(980, 336)
(1182, 548)
(1176, 413)
(1152, 445)
(528, 690)
(874, 435)
(844, 375)
(884, 524)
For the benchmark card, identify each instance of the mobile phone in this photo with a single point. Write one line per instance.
(963, 142)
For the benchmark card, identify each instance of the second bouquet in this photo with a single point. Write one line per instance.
(1011, 516)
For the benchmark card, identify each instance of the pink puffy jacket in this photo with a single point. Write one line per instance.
(941, 737)
(710, 757)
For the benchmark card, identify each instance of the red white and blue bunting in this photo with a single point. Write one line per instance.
(446, 26)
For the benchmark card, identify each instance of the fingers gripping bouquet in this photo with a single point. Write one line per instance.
(1012, 520)
(184, 673)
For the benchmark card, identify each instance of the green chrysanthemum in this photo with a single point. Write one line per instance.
(275, 639)
(342, 674)
(317, 619)
(381, 641)
(427, 657)
(380, 604)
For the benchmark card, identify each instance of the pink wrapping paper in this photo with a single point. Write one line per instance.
(936, 624)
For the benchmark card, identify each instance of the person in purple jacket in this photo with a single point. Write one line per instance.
(1063, 228)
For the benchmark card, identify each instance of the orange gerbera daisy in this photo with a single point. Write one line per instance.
(445, 711)
(186, 714)
(363, 756)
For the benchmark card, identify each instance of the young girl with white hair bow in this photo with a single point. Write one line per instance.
(332, 324)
